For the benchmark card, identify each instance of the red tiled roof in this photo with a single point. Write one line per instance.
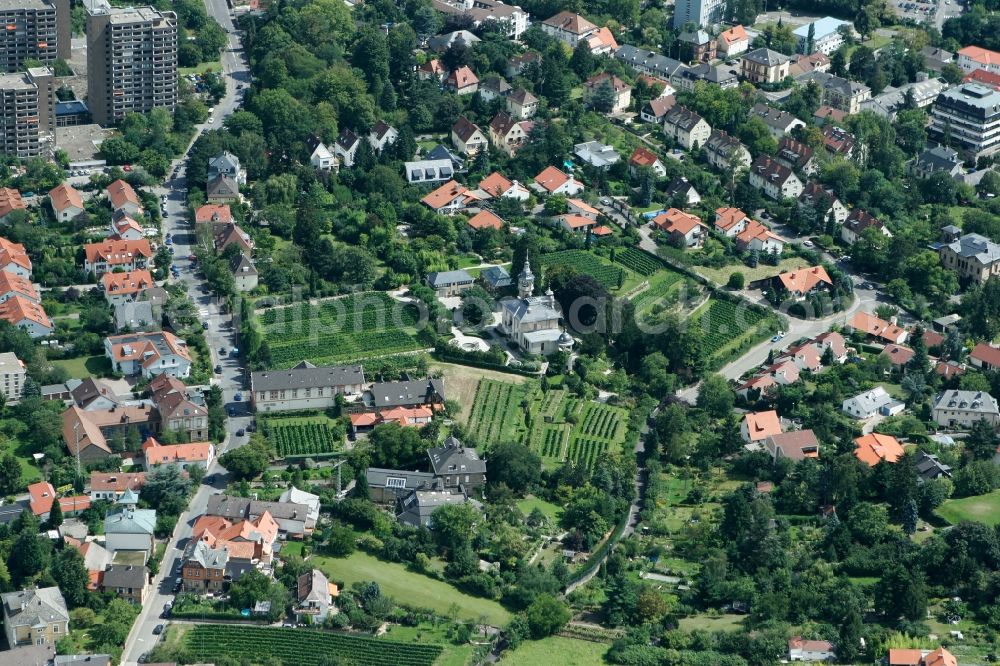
(762, 425)
(986, 354)
(643, 157)
(14, 253)
(63, 195)
(873, 448)
(484, 219)
(18, 308)
(117, 252)
(804, 280)
(121, 193)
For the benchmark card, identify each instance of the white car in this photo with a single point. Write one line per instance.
(807, 243)
(211, 120)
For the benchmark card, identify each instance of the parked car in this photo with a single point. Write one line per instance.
(241, 432)
(204, 325)
(157, 630)
(238, 397)
(218, 369)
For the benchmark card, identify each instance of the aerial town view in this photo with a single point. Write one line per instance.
(465, 332)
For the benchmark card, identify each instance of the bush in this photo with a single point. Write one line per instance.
(736, 280)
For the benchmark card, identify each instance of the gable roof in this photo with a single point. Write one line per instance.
(804, 280)
(551, 178)
(484, 219)
(522, 97)
(771, 170)
(64, 196)
(795, 445)
(10, 200)
(17, 308)
(643, 157)
(463, 77)
(735, 34)
(445, 278)
(794, 152)
(14, 253)
(465, 129)
(117, 252)
(33, 608)
(157, 453)
(728, 217)
(118, 482)
(211, 212)
(121, 194)
(222, 185)
(682, 117)
(41, 495)
(874, 448)
(677, 221)
(617, 85)
(495, 184)
(15, 284)
(570, 22)
(131, 282)
(860, 220)
(445, 194)
(661, 105)
(986, 354)
(306, 375)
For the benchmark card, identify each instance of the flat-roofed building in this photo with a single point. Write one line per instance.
(27, 102)
(970, 115)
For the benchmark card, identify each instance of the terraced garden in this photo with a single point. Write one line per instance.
(606, 273)
(352, 328)
(301, 436)
(302, 646)
(496, 412)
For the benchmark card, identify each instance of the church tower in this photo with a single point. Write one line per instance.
(525, 281)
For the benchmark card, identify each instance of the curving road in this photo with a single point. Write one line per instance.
(218, 335)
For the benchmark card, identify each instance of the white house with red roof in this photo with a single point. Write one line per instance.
(108, 255)
(554, 181)
(192, 454)
(802, 282)
(148, 354)
(450, 198)
(985, 356)
(568, 28)
(462, 81)
(27, 315)
(734, 41)
(643, 157)
(14, 258)
(972, 58)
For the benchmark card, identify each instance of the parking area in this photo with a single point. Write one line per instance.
(919, 10)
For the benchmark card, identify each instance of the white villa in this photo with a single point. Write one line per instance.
(533, 321)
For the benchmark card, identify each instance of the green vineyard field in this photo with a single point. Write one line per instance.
(607, 274)
(301, 436)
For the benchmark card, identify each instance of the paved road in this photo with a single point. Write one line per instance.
(218, 335)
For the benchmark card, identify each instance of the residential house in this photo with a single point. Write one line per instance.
(496, 185)
(66, 202)
(779, 123)
(12, 376)
(14, 259)
(568, 28)
(485, 219)
(126, 581)
(764, 66)
(758, 238)
(680, 189)
(984, 356)
(387, 486)
(428, 171)
(227, 164)
(293, 519)
(441, 43)
(929, 467)
(757, 386)
(495, 278)
(494, 87)
(533, 322)
(733, 41)
(456, 466)
(724, 151)
(27, 315)
(801, 649)
(796, 445)
(961, 409)
(467, 138)
(245, 274)
(419, 507)
(873, 448)
(314, 594)
(699, 45)
(127, 528)
(205, 569)
(857, 223)
(645, 158)
(648, 62)
(576, 223)
(796, 156)
(516, 65)
(921, 93)
(41, 497)
(974, 257)
(802, 282)
(684, 229)
(686, 127)
(936, 58)
(450, 283)
(823, 203)
(803, 64)
(521, 104)
(838, 92)
(432, 70)
(10, 201)
(14, 285)
(86, 433)
(687, 78)
(122, 255)
(838, 141)
(600, 84)
(915, 657)
(34, 617)
(655, 110)
(774, 179)
(885, 331)
(304, 387)
(828, 35)
(596, 154)
(112, 485)
(938, 158)
(346, 147)
(758, 426)
(730, 221)
(898, 356)
(414, 417)
(323, 159)
(871, 403)
(972, 58)
(553, 181)
(511, 20)
(148, 354)
(382, 135)
(178, 412)
(300, 497)
(462, 81)
(123, 198)
(449, 198)
(213, 214)
(231, 234)
(222, 189)
(124, 228)
(508, 134)
(193, 454)
(144, 314)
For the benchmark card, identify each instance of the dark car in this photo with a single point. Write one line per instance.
(157, 630)
(241, 432)
(218, 369)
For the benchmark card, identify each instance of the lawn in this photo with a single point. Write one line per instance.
(29, 473)
(85, 366)
(410, 588)
(557, 650)
(530, 503)
(981, 508)
(428, 634)
(762, 271)
(215, 66)
(709, 623)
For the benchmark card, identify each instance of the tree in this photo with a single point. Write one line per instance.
(340, 542)
(30, 555)
(910, 517)
(10, 475)
(582, 63)
(70, 573)
(118, 618)
(166, 489)
(452, 525)
(715, 396)
(546, 615)
(395, 447)
(901, 592)
(603, 97)
(248, 461)
(811, 39)
(736, 279)
(55, 515)
(514, 465)
(981, 443)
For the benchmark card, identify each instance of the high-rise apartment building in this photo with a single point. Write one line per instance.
(698, 12)
(33, 30)
(131, 61)
(12, 376)
(968, 118)
(27, 116)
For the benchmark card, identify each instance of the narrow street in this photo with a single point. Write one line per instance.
(219, 335)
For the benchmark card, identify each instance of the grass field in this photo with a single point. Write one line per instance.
(29, 473)
(709, 623)
(85, 366)
(428, 634)
(530, 503)
(721, 275)
(557, 650)
(352, 328)
(411, 588)
(981, 508)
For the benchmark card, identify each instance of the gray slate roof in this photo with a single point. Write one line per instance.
(130, 521)
(535, 308)
(397, 394)
(766, 57)
(125, 575)
(970, 401)
(641, 58)
(134, 314)
(772, 117)
(496, 276)
(377, 476)
(40, 607)
(975, 246)
(454, 458)
(82, 660)
(209, 558)
(307, 375)
(418, 507)
(239, 508)
(939, 158)
(222, 185)
(446, 278)
(224, 162)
